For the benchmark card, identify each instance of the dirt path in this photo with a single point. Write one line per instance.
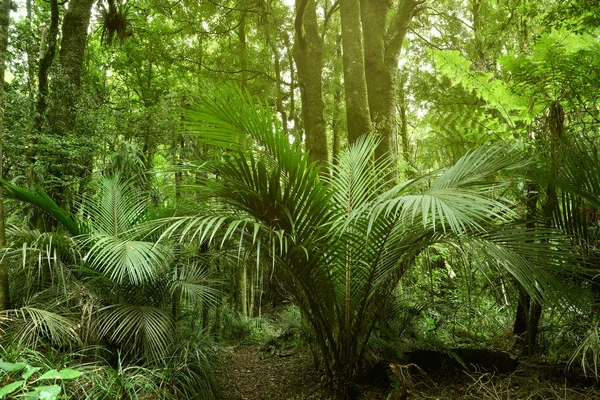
(251, 374)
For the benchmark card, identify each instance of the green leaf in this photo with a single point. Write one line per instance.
(44, 393)
(52, 374)
(12, 367)
(64, 374)
(8, 389)
(29, 370)
(67, 373)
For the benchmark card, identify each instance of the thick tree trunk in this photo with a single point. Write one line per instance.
(358, 117)
(535, 314)
(65, 93)
(72, 50)
(382, 52)
(4, 21)
(479, 48)
(308, 55)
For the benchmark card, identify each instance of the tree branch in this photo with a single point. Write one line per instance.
(399, 25)
(298, 21)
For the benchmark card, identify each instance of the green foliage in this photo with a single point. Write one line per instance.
(31, 389)
(347, 243)
(495, 93)
(238, 329)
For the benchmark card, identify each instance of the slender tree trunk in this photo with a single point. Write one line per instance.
(476, 15)
(308, 54)
(522, 316)
(4, 281)
(251, 292)
(30, 55)
(555, 124)
(46, 61)
(336, 118)
(279, 100)
(179, 174)
(358, 117)
(242, 288)
(243, 54)
(404, 136)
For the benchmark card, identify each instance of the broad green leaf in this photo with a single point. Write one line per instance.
(68, 373)
(29, 370)
(44, 393)
(12, 367)
(8, 389)
(52, 374)
(64, 374)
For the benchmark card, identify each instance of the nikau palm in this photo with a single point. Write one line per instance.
(112, 280)
(345, 240)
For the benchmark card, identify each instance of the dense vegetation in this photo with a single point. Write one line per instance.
(374, 185)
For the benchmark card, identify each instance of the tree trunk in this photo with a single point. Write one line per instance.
(535, 314)
(30, 55)
(45, 63)
(404, 137)
(72, 50)
(525, 305)
(358, 117)
(522, 315)
(336, 117)
(65, 93)
(242, 288)
(4, 281)
(308, 55)
(280, 108)
(382, 52)
(476, 15)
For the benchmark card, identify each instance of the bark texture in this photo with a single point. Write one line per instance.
(46, 61)
(383, 44)
(71, 55)
(308, 55)
(66, 92)
(358, 117)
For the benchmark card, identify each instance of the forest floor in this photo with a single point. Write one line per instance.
(249, 372)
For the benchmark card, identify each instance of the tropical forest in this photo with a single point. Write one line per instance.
(300, 199)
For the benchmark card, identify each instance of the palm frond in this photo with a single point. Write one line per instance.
(40, 199)
(126, 260)
(33, 325)
(146, 331)
(116, 209)
(194, 283)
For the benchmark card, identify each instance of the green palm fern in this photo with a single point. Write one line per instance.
(345, 241)
(108, 276)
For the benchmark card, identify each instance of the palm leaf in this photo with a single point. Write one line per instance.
(40, 199)
(144, 330)
(32, 325)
